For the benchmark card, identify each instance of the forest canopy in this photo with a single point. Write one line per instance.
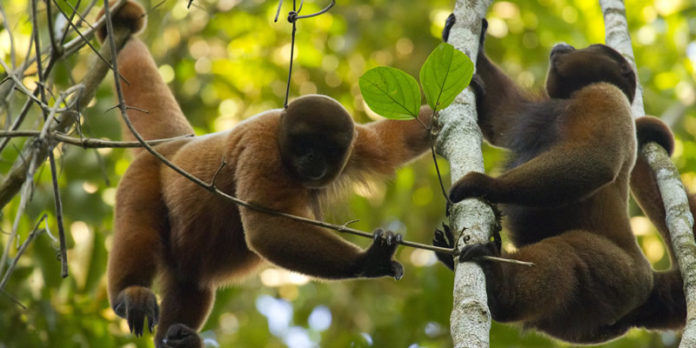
(227, 60)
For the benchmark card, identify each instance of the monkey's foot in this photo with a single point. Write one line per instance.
(137, 303)
(476, 252)
(181, 336)
(445, 239)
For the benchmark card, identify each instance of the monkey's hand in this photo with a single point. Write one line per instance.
(451, 19)
(472, 185)
(475, 252)
(181, 336)
(378, 261)
(130, 15)
(445, 239)
(135, 304)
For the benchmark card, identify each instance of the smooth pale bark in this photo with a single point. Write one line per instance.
(459, 141)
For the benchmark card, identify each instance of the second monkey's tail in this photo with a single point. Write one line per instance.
(152, 109)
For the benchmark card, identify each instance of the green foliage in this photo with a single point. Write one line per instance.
(444, 75)
(226, 61)
(391, 93)
(394, 94)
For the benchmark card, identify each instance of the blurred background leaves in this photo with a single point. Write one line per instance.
(226, 60)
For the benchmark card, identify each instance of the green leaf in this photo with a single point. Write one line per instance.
(444, 75)
(391, 93)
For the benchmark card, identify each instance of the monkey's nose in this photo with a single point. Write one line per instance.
(561, 48)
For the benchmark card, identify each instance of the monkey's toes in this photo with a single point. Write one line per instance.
(181, 336)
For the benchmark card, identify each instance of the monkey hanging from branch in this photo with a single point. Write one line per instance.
(288, 160)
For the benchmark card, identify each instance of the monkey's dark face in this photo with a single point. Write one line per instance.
(571, 69)
(315, 138)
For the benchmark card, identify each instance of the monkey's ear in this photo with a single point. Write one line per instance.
(131, 14)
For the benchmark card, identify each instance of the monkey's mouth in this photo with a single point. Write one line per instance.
(312, 173)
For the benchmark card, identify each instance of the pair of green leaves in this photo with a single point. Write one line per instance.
(394, 94)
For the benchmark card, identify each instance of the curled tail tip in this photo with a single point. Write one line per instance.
(131, 15)
(649, 128)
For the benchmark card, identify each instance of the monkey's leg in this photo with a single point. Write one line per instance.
(579, 283)
(140, 220)
(665, 309)
(185, 306)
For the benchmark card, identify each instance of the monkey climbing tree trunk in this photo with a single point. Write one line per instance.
(679, 218)
(459, 142)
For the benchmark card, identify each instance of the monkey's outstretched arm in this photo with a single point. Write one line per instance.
(152, 108)
(299, 246)
(383, 146)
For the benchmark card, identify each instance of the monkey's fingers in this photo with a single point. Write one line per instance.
(444, 239)
(451, 19)
(181, 336)
(477, 251)
(136, 321)
(397, 270)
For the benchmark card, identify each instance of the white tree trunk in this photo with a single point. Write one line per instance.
(679, 219)
(459, 142)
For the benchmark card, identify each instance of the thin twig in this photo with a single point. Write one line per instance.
(13, 55)
(55, 49)
(223, 163)
(27, 187)
(13, 181)
(92, 143)
(34, 232)
(85, 39)
(48, 119)
(439, 176)
(66, 31)
(78, 42)
(432, 131)
(13, 299)
(326, 9)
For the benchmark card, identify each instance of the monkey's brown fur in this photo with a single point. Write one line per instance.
(194, 241)
(565, 196)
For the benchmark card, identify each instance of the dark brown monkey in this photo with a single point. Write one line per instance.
(194, 241)
(565, 196)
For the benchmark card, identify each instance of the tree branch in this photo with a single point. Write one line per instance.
(459, 142)
(39, 152)
(679, 218)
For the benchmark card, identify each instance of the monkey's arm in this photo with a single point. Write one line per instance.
(498, 98)
(298, 246)
(153, 110)
(499, 101)
(595, 143)
(383, 146)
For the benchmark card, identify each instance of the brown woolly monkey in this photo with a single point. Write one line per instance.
(194, 241)
(565, 197)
